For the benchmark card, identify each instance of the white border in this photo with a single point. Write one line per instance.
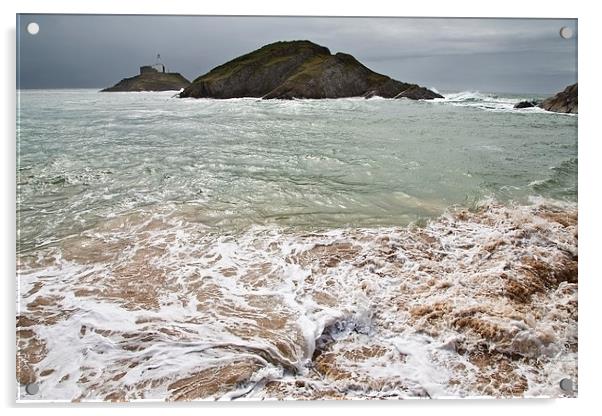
(589, 193)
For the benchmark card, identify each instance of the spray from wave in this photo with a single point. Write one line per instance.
(487, 101)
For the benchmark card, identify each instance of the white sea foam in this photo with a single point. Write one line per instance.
(489, 102)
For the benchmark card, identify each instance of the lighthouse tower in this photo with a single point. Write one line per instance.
(158, 65)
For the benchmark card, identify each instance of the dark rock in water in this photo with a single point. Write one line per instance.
(151, 81)
(563, 102)
(526, 104)
(418, 93)
(295, 69)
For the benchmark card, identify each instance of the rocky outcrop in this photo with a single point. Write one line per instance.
(527, 104)
(418, 93)
(296, 69)
(151, 81)
(563, 102)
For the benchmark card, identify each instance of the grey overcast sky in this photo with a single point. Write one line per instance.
(488, 55)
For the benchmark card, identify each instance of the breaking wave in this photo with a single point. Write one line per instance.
(488, 101)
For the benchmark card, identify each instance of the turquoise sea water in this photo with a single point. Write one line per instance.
(84, 156)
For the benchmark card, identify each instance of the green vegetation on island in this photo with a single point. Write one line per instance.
(299, 69)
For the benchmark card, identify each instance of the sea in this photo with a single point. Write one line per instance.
(201, 249)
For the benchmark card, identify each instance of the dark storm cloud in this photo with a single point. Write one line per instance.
(505, 55)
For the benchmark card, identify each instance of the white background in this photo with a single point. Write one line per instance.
(590, 119)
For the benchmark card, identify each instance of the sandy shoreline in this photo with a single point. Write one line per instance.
(477, 303)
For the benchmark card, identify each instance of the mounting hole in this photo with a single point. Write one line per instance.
(33, 28)
(566, 384)
(566, 32)
(32, 388)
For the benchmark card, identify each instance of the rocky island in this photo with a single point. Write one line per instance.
(151, 78)
(299, 69)
(563, 102)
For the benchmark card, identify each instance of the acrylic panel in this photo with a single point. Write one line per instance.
(250, 208)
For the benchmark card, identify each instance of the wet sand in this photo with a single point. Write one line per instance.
(151, 306)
